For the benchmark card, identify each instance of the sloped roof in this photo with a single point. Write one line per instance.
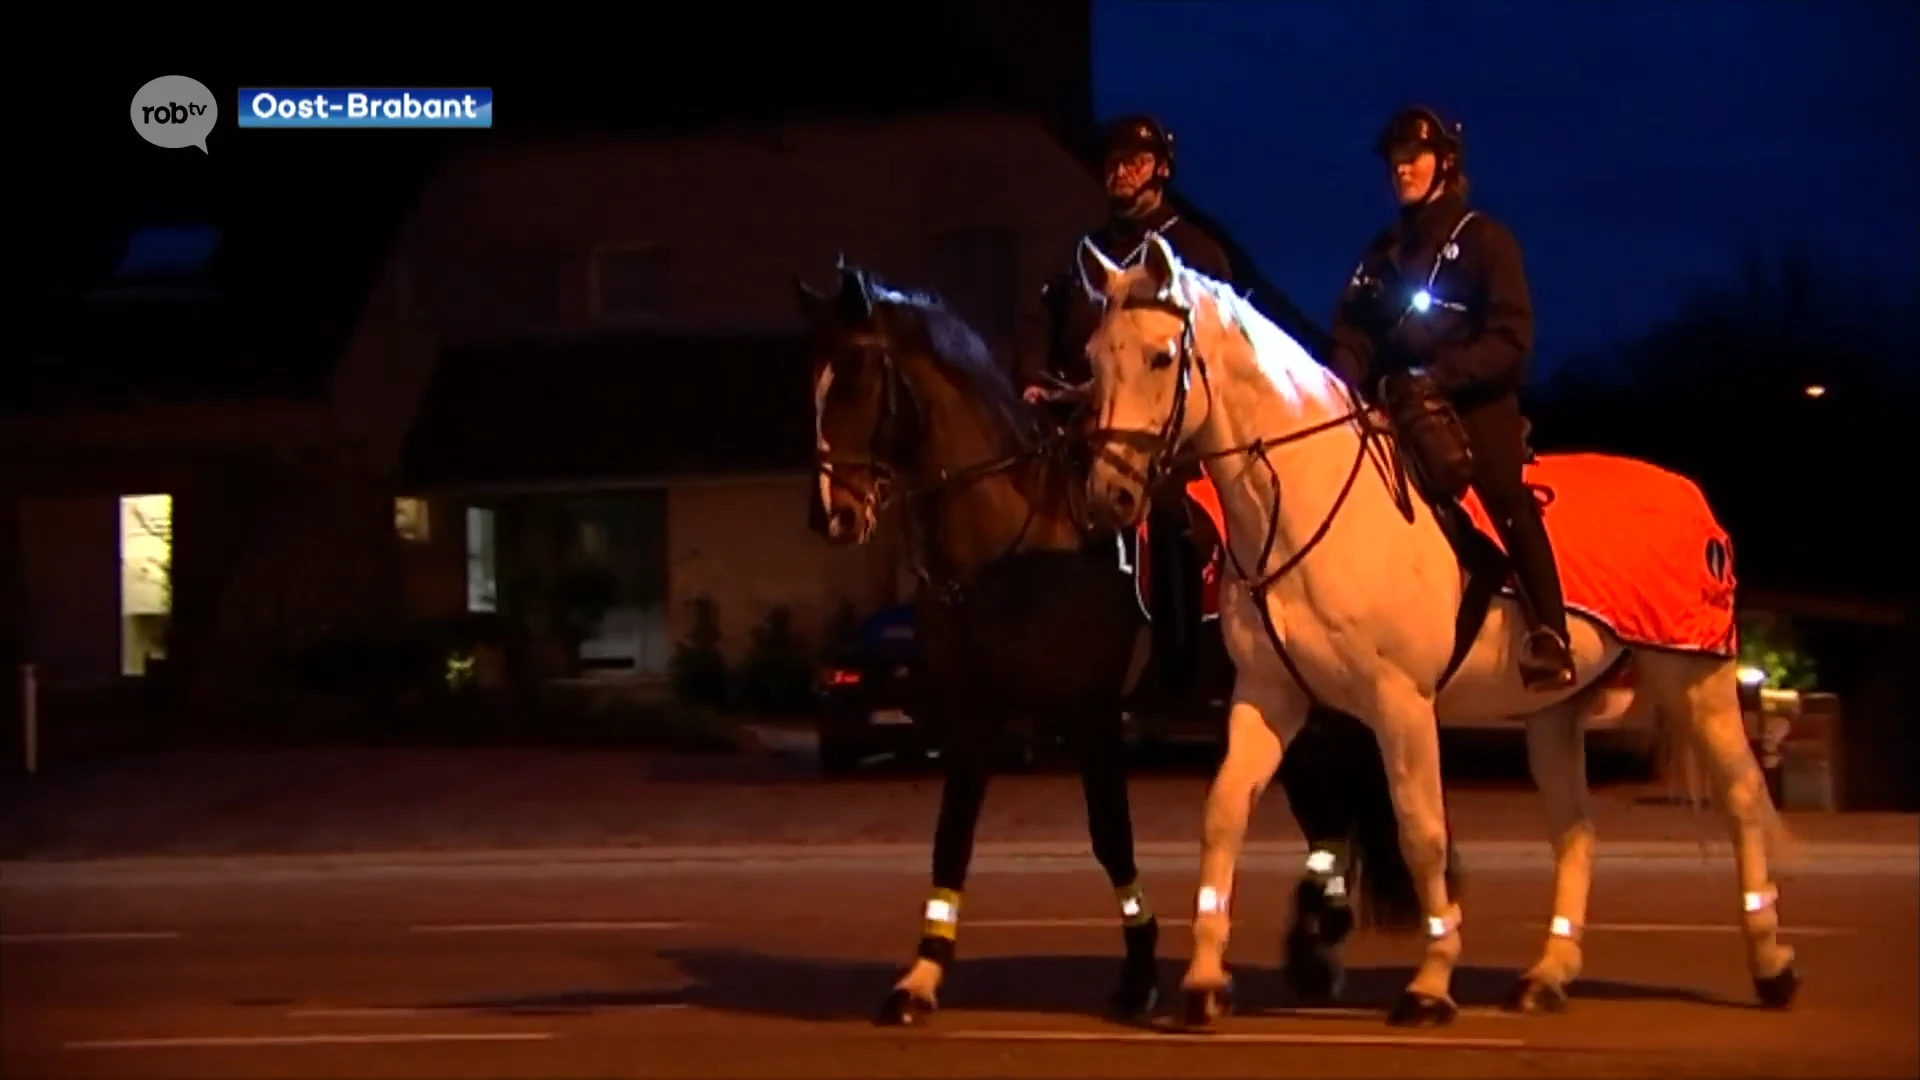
(302, 235)
(541, 412)
(306, 224)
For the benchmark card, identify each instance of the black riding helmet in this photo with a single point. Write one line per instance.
(1135, 132)
(1416, 128)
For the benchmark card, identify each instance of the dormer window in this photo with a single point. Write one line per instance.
(162, 252)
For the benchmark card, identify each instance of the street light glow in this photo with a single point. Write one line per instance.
(1816, 391)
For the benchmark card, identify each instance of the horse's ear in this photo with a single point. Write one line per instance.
(1160, 262)
(1096, 270)
(855, 302)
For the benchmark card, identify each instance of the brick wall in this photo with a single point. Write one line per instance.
(746, 545)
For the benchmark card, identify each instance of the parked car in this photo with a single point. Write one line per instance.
(867, 696)
(870, 704)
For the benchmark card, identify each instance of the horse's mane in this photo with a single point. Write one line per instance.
(923, 320)
(1275, 351)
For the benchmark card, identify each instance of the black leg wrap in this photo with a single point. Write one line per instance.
(939, 950)
(1311, 950)
(1138, 993)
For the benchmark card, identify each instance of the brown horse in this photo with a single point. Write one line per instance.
(1013, 619)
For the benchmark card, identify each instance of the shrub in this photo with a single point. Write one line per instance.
(842, 632)
(698, 669)
(1771, 646)
(777, 678)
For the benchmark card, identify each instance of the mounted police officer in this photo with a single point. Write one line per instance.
(1436, 325)
(1137, 164)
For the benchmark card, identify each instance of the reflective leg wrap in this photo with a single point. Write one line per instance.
(1759, 914)
(1327, 863)
(1563, 927)
(1134, 908)
(942, 918)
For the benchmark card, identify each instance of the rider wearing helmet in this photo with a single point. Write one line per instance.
(1137, 164)
(1438, 311)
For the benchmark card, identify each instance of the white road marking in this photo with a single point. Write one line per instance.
(368, 1012)
(1707, 928)
(1237, 1038)
(545, 927)
(90, 935)
(203, 1042)
(1056, 924)
(1348, 1012)
(380, 1012)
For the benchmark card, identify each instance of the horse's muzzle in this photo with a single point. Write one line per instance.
(1114, 499)
(849, 525)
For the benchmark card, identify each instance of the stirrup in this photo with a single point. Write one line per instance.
(1546, 660)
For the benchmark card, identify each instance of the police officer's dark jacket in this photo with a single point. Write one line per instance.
(1075, 316)
(1442, 289)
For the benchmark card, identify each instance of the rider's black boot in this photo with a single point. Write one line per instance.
(1546, 659)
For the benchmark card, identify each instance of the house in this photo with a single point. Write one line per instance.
(616, 315)
(167, 433)
(511, 350)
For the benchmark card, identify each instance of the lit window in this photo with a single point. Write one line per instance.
(482, 586)
(168, 251)
(410, 519)
(146, 580)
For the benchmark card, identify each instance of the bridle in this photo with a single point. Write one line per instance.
(883, 442)
(1165, 455)
(890, 445)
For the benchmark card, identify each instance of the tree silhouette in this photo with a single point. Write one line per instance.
(1786, 396)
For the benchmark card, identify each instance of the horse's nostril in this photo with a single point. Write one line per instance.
(841, 520)
(1123, 501)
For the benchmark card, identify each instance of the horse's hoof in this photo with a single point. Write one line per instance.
(903, 1008)
(1135, 999)
(1206, 1004)
(1531, 995)
(1415, 1009)
(1777, 991)
(1314, 971)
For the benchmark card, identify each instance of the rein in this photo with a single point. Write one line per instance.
(885, 446)
(1167, 457)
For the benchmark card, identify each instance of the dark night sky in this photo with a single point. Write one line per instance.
(1636, 147)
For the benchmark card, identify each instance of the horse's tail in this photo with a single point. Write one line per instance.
(1682, 722)
(1389, 901)
(1382, 886)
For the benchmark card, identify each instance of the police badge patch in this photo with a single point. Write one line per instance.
(1717, 559)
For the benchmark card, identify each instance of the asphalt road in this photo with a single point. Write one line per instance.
(764, 964)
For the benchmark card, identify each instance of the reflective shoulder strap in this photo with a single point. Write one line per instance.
(1440, 256)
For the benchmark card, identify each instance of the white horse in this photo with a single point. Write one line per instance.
(1341, 593)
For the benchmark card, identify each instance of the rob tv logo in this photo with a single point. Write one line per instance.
(174, 111)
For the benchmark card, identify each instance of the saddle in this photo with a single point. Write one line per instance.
(1436, 461)
(1431, 434)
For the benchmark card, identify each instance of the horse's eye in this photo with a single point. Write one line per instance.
(1161, 360)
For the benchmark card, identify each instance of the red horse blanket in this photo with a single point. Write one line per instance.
(1209, 528)
(1638, 549)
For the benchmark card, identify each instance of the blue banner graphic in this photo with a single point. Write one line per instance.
(406, 107)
